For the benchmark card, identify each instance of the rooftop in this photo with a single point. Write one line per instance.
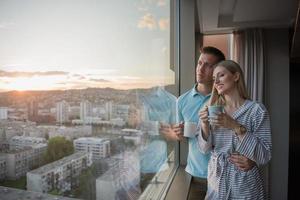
(90, 140)
(58, 163)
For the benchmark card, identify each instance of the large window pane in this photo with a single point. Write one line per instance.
(85, 86)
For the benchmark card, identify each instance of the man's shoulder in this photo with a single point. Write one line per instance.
(185, 95)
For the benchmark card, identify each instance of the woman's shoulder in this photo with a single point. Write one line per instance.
(256, 107)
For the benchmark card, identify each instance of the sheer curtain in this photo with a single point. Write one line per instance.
(248, 51)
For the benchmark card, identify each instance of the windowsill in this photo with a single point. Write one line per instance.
(179, 188)
(158, 187)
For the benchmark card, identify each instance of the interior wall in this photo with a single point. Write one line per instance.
(187, 58)
(277, 80)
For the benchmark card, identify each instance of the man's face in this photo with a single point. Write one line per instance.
(205, 67)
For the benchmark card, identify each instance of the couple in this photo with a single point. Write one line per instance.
(231, 155)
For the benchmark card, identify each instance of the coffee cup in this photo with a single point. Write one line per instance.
(214, 110)
(189, 129)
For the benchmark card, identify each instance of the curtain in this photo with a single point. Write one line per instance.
(248, 51)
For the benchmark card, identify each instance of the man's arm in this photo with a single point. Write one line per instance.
(242, 162)
(171, 132)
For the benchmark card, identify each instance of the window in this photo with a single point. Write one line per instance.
(99, 72)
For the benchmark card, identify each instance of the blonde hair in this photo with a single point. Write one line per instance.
(233, 67)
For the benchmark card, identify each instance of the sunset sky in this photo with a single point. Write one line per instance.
(66, 44)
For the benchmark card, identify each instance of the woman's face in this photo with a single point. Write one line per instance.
(224, 80)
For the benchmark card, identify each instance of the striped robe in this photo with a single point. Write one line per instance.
(225, 180)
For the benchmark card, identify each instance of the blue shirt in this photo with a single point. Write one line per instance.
(189, 105)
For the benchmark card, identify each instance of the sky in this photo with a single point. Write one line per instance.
(68, 44)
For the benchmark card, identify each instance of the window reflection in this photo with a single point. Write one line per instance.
(82, 96)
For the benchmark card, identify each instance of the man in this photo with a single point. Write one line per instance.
(189, 105)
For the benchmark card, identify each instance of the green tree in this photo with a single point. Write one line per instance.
(47, 136)
(58, 147)
(87, 184)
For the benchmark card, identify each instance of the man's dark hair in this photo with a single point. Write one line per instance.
(213, 51)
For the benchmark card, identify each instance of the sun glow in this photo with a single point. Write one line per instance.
(34, 83)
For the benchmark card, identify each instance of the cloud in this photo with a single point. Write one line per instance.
(142, 9)
(147, 21)
(163, 23)
(127, 78)
(6, 25)
(99, 80)
(78, 76)
(161, 2)
(14, 74)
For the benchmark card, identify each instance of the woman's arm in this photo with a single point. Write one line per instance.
(255, 144)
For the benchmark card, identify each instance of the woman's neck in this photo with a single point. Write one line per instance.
(234, 100)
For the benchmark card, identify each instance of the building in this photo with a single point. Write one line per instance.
(60, 175)
(129, 131)
(7, 193)
(37, 157)
(32, 110)
(18, 162)
(2, 167)
(62, 112)
(122, 179)
(121, 111)
(109, 110)
(19, 142)
(23, 154)
(71, 133)
(3, 113)
(98, 147)
(85, 109)
(2, 134)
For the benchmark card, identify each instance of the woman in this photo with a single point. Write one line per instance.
(243, 128)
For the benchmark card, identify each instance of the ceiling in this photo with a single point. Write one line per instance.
(215, 16)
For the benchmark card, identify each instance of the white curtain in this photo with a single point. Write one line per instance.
(248, 51)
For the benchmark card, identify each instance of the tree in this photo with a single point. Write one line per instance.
(47, 136)
(58, 147)
(87, 184)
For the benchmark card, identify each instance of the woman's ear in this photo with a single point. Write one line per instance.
(236, 76)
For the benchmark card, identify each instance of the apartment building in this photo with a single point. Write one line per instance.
(85, 109)
(3, 113)
(7, 193)
(2, 167)
(60, 174)
(122, 179)
(62, 112)
(98, 147)
(18, 162)
(19, 142)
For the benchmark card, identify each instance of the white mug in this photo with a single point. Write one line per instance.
(189, 129)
